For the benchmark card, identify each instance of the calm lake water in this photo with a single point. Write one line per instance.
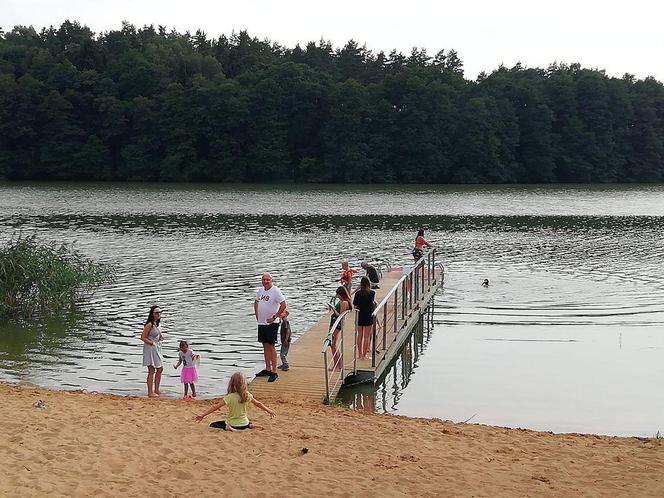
(569, 335)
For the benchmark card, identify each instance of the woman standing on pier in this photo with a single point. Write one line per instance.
(420, 243)
(365, 302)
(343, 305)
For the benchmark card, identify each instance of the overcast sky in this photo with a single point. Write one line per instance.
(620, 37)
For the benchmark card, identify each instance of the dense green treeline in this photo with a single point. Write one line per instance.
(147, 104)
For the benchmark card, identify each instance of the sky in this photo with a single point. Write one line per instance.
(620, 37)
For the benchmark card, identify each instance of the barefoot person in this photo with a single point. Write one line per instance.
(152, 357)
(268, 306)
(189, 375)
(364, 302)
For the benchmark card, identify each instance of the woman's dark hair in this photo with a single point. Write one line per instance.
(420, 233)
(183, 343)
(345, 296)
(151, 316)
(365, 285)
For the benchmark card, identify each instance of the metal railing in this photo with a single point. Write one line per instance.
(334, 369)
(402, 300)
(396, 306)
(383, 264)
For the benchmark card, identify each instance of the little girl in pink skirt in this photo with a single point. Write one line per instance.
(189, 374)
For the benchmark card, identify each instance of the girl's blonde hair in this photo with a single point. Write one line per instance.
(238, 384)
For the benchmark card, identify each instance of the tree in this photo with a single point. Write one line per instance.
(154, 104)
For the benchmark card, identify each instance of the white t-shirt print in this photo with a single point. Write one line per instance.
(268, 303)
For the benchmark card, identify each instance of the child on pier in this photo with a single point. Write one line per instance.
(189, 373)
(237, 400)
(347, 274)
(285, 336)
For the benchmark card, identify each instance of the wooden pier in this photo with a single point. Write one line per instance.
(407, 298)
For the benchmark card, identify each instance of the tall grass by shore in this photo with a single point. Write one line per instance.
(38, 278)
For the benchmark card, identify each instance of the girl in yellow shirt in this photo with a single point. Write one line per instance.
(237, 400)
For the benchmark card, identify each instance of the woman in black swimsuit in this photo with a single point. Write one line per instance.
(365, 303)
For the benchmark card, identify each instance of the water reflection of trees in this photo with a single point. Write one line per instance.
(46, 341)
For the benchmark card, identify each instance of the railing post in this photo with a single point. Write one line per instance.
(396, 309)
(327, 379)
(355, 348)
(342, 350)
(403, 298)
(429, 266)
(433, 263)
(384, 325)
(410, 292)
(373, 344)
(422, 279)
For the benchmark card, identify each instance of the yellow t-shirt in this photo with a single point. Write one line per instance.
(237, 411)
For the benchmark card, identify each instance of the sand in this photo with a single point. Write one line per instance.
(90, 444)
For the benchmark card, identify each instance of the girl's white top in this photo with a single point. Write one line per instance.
(187, 358)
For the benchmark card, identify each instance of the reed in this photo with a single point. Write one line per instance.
(38, 278)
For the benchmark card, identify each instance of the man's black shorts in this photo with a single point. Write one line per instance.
(268, 333)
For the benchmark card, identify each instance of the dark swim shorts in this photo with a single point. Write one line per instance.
(268, 333)
(221, 424)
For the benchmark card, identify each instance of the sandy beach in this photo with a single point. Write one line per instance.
(86, 444)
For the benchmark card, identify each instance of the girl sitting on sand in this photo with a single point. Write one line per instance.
(237, 400)
(189, 373)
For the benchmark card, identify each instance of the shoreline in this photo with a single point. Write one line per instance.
(211, 398)
(93, 443)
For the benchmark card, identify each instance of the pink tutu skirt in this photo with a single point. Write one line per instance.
(188, 375)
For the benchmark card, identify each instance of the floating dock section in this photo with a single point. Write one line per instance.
(316, 373)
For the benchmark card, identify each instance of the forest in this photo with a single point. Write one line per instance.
(149, 104)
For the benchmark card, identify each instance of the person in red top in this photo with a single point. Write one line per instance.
(346, 275)
(420, 243)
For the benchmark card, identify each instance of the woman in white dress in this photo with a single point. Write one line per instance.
(152, 357)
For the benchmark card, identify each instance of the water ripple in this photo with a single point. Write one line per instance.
(199, 254)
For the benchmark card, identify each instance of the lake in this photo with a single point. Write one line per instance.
(568, 336)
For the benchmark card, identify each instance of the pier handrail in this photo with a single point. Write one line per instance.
(397, 305)
(404, 277)
(389, 295)
(379, 268)
(328, 338)
(413, 285)
(327, 343)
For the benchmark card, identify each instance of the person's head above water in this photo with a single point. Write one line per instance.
(184, 346)
(344, 265)
(266, 280)
(485, 282)
(420, 233)
(364, 265)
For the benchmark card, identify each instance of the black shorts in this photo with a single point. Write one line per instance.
(267, 334)
(221, 424)
(364, 319)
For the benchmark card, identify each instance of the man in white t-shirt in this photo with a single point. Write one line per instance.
(269, 304)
